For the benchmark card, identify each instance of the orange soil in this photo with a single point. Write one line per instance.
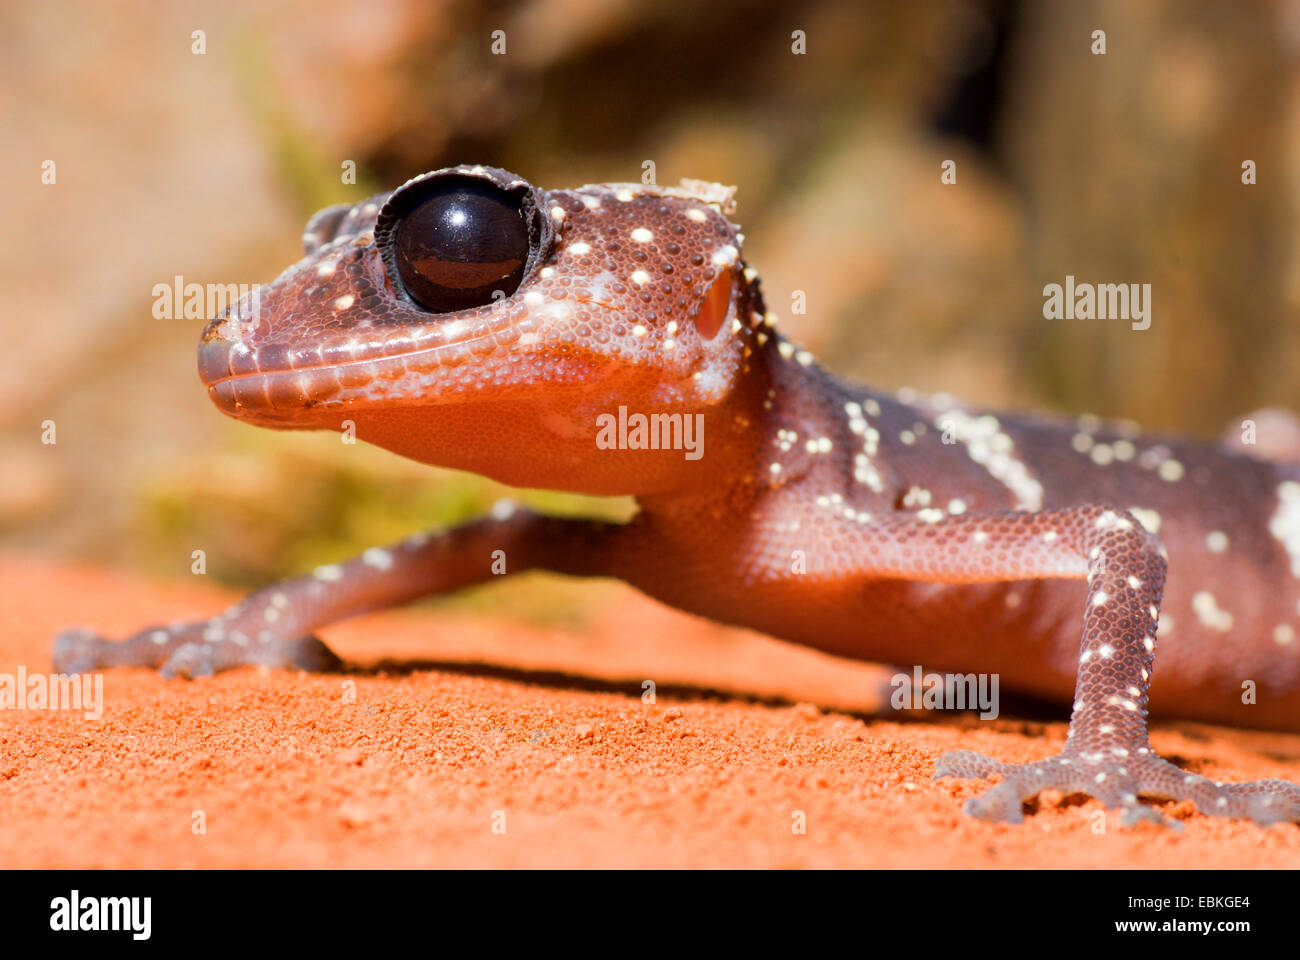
(468, 716)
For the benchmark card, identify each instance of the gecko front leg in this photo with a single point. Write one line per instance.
(274, 626)
(1107, 754)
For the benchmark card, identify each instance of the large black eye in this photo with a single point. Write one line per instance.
(462, 242)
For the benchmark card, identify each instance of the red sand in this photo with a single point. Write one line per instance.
(550, 730)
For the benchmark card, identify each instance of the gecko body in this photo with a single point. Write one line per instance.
(472, 320)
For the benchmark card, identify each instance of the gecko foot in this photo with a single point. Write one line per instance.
(1118, 782)
(191, 650)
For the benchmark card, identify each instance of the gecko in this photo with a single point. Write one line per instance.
(471, 320)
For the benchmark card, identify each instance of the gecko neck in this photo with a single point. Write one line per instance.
(783, 429)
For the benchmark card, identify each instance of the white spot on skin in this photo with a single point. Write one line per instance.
(344, 302)
(696, 214)
(326, 269)
(557, 213)
(990, 447)
(640, 277)
(642, 235)
(329, 573)
(1208, 612)
(378, 558)
(579, 249)
(1216, 541)
(1284, 525)
(638, 331)
(1284, 634)
(916, 497)
(1148, 518)
(1170, 470)
(1100, 599)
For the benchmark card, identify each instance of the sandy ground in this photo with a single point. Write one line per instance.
(458, 741)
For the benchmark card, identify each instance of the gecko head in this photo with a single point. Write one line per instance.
(470, 319)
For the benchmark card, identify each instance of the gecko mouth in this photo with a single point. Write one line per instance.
(276, 379)
(286, 383)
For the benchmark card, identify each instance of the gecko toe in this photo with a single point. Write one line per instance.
(1021, 782)
(969, 765)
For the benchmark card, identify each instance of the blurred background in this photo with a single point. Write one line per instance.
(1123, 167)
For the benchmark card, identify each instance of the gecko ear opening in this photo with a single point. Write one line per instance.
(716, 304)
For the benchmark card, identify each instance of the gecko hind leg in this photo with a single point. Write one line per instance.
(1118, 782)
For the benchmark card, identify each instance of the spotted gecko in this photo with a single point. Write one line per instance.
(471, 320)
